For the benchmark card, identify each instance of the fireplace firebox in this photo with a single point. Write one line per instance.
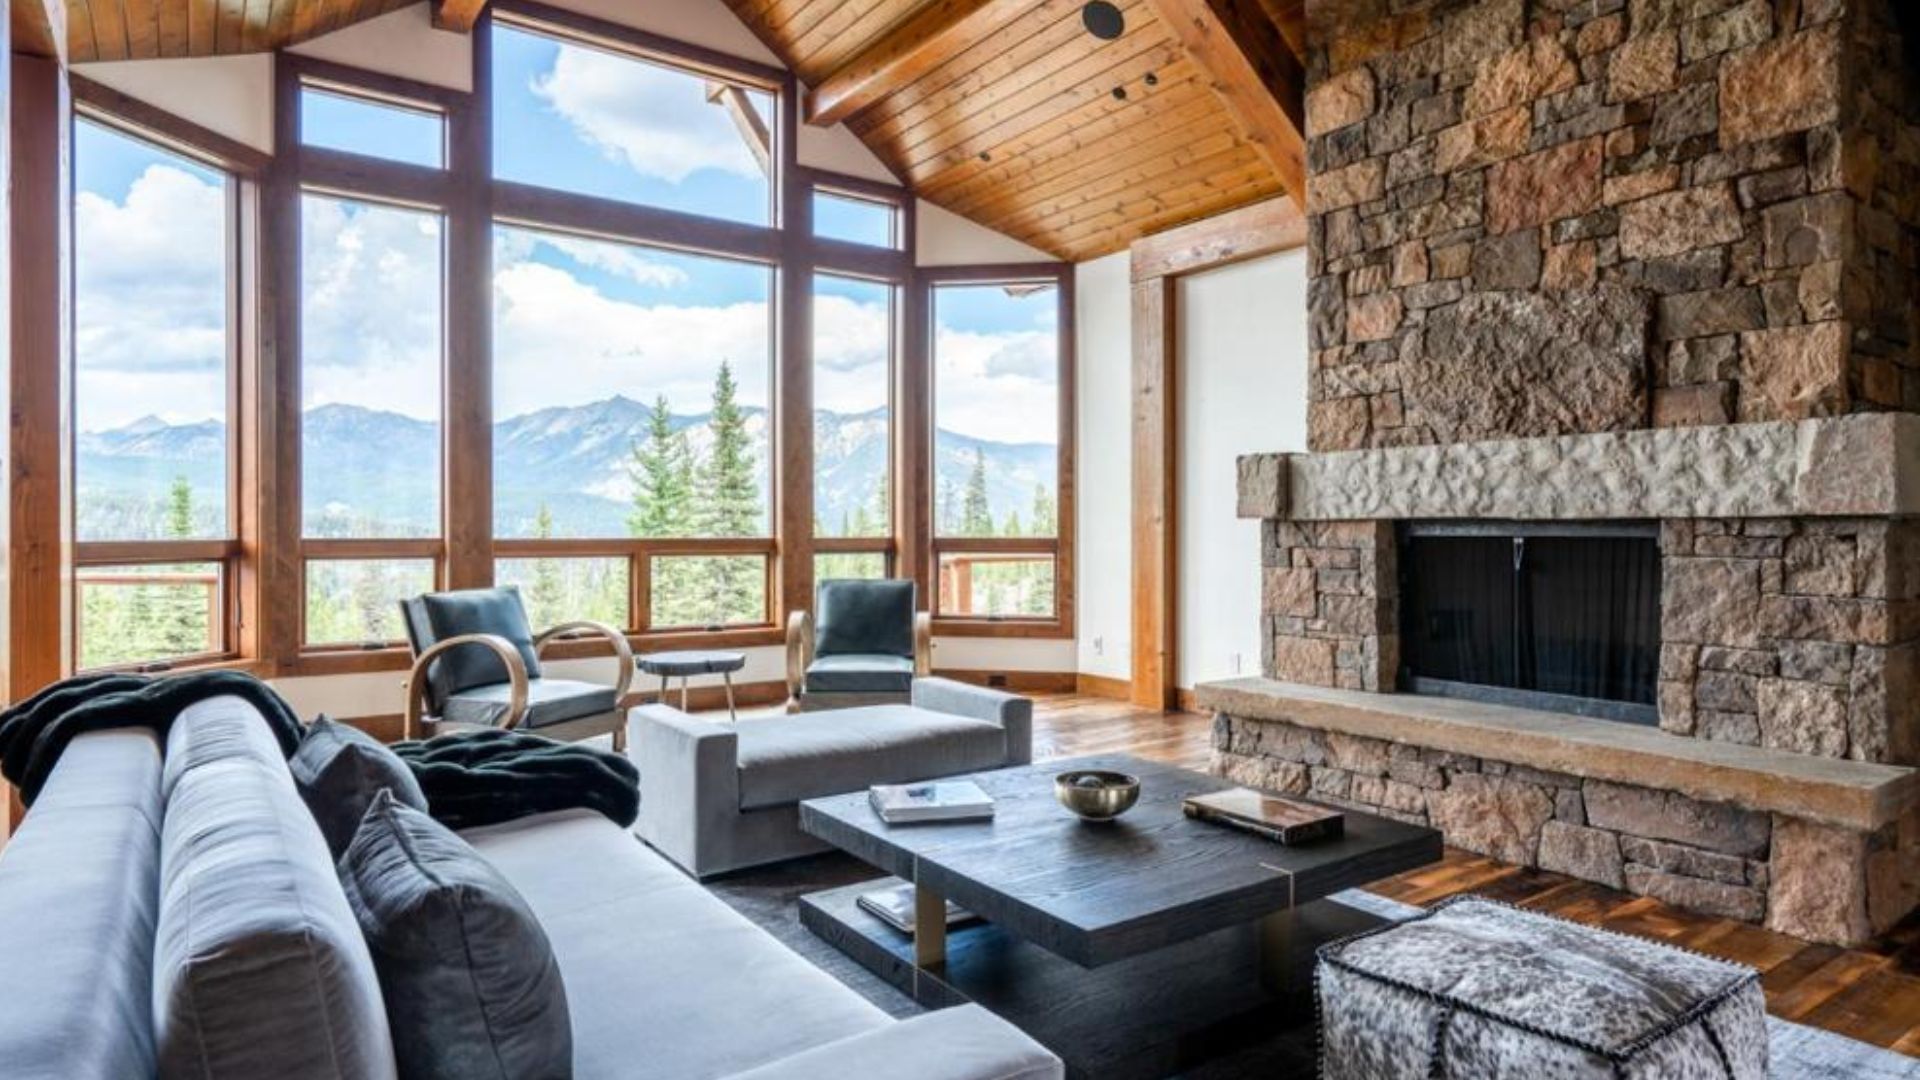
(1562, 616)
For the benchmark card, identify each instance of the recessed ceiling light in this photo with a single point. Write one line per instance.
(1103, 20)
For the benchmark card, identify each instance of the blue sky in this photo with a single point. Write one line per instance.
(575, 320)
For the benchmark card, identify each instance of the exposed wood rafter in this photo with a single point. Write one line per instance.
(39, 28)
(924, 40)
(1264, 228)
(458, 16)
(753, 130)
(1255, 73)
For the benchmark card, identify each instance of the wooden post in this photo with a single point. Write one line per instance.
(793, 388)
(466, 498)
(1155, 383)
(38, 602)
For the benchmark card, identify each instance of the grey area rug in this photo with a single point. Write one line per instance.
(769, 898)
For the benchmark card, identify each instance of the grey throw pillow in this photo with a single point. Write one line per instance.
(339, 769)
(471, 985)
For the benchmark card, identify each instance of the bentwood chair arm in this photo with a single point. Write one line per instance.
(922, 644)
(799, 651)
(622, 651)
(504, 649)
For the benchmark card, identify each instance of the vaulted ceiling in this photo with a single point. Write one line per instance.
(1008, 112)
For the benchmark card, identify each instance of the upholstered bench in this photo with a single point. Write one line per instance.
(716, 797)
(1479, 988)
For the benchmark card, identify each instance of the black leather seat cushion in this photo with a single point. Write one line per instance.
(868, 673)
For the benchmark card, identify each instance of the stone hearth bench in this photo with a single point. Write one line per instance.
(1820, 848)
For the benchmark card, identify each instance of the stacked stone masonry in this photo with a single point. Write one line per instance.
(1538, 217)
(1811, 881)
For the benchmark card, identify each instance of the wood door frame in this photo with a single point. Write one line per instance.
(1157, 264)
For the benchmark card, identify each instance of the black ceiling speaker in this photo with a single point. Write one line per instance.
(1103, 20)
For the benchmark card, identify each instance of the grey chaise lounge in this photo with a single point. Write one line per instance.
(719, 797)
(664, 981)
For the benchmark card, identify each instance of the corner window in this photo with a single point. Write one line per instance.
(339, 120)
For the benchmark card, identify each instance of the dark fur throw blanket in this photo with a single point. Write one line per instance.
(486, 777)
(34, 733)
(469, 778)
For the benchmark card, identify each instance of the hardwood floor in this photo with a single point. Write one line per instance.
(1872, 994)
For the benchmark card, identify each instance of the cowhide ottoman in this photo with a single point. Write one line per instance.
(1479, 989)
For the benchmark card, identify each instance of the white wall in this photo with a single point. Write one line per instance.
(1243, 390)
(947, 239)
(1103, 485)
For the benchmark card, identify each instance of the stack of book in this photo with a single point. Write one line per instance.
(1285, 821)
(932, 800)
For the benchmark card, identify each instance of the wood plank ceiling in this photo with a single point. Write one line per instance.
(1008, 112)
(1026, 123)
(164, 29)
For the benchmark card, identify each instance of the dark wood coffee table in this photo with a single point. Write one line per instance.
(1123, 946)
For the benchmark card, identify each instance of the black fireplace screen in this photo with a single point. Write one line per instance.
(1553, 616)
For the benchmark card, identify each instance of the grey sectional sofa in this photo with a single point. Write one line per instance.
(718, 796)
(663, 980)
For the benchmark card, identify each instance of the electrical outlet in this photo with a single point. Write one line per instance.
(1236, 663)
(1099, 646)
(996, 680)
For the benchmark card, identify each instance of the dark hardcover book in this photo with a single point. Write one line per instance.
(894, 906)
(1283, 820)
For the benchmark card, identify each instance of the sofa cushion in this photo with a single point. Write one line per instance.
(784, 759)
(549, 701)
(339, 769)
(864, 617)
(860, 673)
(477, 611)
(259, 968)
(470, 983)
(664, 980)
(77, 911)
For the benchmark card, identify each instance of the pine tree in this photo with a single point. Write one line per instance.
(546, 599)
(976, 516)
(180, 509)
(948, 525)
(174, 615)
(661, 468)
(728, 589)
(1044, 511)
(661, 471)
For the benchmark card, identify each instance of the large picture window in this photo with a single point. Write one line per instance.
(660, 430)
(153, 400)
(578, 118)
(997, 447)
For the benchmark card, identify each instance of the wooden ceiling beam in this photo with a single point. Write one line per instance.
(753, 130)
(458, 16)
(39, 28)
(932, 35)
(1263, 228)
(1255, 73)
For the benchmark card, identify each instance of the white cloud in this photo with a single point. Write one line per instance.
(558, 341)
(1001, 385)
(370, 319)
(150, 301)
(657, 121)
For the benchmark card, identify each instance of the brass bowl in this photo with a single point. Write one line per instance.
(1113, 795)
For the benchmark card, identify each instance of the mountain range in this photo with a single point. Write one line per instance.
(363, 469)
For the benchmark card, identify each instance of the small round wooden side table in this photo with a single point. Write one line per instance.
(686, 664)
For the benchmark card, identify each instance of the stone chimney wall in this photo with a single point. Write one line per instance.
(1540, 217)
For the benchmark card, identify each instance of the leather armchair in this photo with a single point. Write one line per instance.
(476, 664)
(864, 644)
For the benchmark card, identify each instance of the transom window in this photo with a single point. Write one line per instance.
(342, 120)
(576, 117)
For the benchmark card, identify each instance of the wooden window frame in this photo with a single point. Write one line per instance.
(241, 167)
(1059, 547)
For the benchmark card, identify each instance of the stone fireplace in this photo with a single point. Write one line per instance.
(1627, 265)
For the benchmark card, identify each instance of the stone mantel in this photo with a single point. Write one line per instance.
(1865, 465)
(1848, 794)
